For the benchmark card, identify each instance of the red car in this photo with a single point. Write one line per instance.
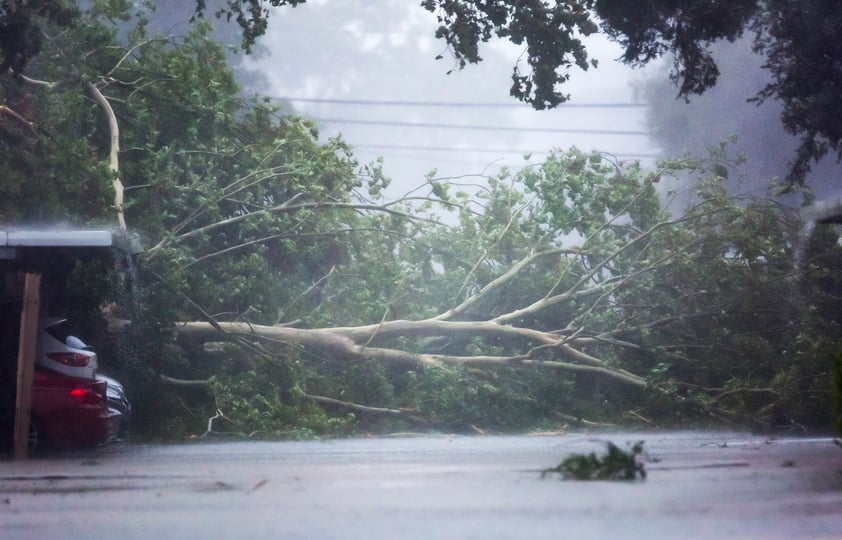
(68, 412)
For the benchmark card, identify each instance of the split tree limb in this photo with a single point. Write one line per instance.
(345, 342)
(183, 382)
(46, 84)
(114, 158)
(217, 416)
(403, 413)
(14, 114)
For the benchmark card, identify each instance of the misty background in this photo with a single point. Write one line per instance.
(367, 70)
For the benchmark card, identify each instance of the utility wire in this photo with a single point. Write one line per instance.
(479, 128)
(459, 104)
(481, 150)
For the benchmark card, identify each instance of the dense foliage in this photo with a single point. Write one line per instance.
(578, 291)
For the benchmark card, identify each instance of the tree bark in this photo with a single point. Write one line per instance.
(114, 153)
(346, 341)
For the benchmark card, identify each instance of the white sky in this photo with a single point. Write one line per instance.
(385, 50)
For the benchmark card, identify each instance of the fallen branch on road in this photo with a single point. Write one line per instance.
(403, 413)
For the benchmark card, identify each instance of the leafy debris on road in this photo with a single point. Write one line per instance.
(615, 464)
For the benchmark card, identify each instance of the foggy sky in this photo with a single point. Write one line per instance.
(385, 50)
(379, 50)
(679, 127)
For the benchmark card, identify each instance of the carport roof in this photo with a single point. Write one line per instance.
(67, 238)
(56, 238)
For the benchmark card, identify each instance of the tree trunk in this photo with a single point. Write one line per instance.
(352, 342)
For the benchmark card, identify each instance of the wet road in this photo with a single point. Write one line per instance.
(699, 485)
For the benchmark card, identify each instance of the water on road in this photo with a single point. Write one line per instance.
(699, 485)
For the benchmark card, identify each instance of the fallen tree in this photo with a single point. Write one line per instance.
(354, 344)
(580, 273)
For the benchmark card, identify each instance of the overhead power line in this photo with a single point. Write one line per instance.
(483, 150)
(458, 104)
(481, 128)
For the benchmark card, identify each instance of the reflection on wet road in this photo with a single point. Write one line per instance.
(698, 485)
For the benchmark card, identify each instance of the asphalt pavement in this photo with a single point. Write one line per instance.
(698, 485)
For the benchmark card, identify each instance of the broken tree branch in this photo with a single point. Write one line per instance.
(182, 382)
(403, 413)
(114, 153)
(346, 342)
(14, 114)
